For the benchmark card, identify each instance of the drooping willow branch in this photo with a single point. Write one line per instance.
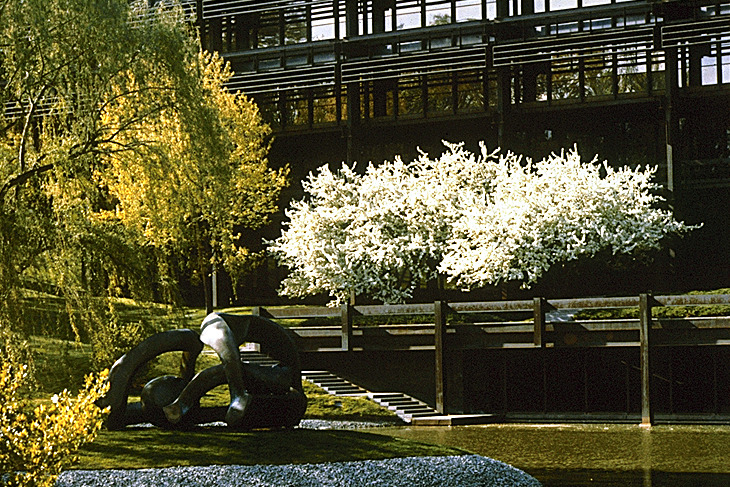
(22, 178)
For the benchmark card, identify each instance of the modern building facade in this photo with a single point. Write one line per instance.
(634, 82)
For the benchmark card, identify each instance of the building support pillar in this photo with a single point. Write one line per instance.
(440, 356)
(647, 414)
(670, 119)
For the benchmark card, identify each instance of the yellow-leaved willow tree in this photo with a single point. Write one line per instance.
(121, 156)
(200, 181)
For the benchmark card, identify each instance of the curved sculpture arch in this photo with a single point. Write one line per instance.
(261, 396)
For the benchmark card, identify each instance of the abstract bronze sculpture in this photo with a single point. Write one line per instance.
(261, 396)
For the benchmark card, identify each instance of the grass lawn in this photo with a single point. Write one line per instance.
(62, 364)
(155, 448)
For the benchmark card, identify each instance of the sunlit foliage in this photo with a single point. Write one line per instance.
(476, 219)
(37, 443)
(202, 175)
(121, 157)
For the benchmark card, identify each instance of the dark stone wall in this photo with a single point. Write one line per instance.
(603, 383)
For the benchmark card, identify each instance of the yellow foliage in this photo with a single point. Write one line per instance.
(37, 443)
(201, 174)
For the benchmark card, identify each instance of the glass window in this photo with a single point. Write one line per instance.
(268, 33)
(564, 28)
(440, 42)
(565, 79)
(597, 24)
(409, 46)
(658, 81)
(440, 96)
(541, 89)
(410, 96)
(382, 100)
(491, 9)
(295, 30)
(296, 109)
(388, 15)
(297, 60)
(269, 106)
(467, 10)
(709, 69)
(598, 76)
(563, 4)
(492, 88)
(271, 63)
(365, 23)
(631, 71)
(630, 20)
(470, 39)
(438, 13)
(470, 91)
(324, 107)
(408, 17)
(323, 29)
(324, 57)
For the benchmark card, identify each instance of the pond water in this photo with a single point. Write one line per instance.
(596, 454)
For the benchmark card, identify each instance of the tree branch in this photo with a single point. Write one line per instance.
(22, 178)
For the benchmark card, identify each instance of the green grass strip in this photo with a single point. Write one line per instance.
(155, 448)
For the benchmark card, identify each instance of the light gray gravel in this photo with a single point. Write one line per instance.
(313, 424)
(328, 424)
(448, 471)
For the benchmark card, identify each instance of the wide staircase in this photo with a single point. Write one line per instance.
(404, 406)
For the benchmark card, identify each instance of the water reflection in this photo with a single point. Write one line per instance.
(596, 454)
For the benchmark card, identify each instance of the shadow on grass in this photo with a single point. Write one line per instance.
(153, 448)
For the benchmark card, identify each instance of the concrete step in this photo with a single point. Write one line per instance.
(257, 358)
(404, 406)
(384, 396)
(403, 402)
(345, 391)
(411, 407)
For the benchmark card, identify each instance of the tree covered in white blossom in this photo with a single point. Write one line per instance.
(476, 219)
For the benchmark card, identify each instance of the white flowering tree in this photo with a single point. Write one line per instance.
(362, 234)
(477, 219)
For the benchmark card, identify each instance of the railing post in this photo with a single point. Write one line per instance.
(645, 303)
(439, 347)
(538, 315)
(347, 320)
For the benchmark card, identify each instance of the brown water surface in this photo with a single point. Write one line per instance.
(596, 454)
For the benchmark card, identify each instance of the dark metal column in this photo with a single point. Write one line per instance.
(647, 415)
(439, 346)
(670, 119)
(347, 313)
(538, 315)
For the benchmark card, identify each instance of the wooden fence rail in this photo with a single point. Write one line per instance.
(445, 327)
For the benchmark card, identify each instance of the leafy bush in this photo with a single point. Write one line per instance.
(37, 443)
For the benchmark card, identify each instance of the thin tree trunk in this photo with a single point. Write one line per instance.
(205, 268)
(208, 290)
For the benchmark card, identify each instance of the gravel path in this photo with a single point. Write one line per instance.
(456, 471)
